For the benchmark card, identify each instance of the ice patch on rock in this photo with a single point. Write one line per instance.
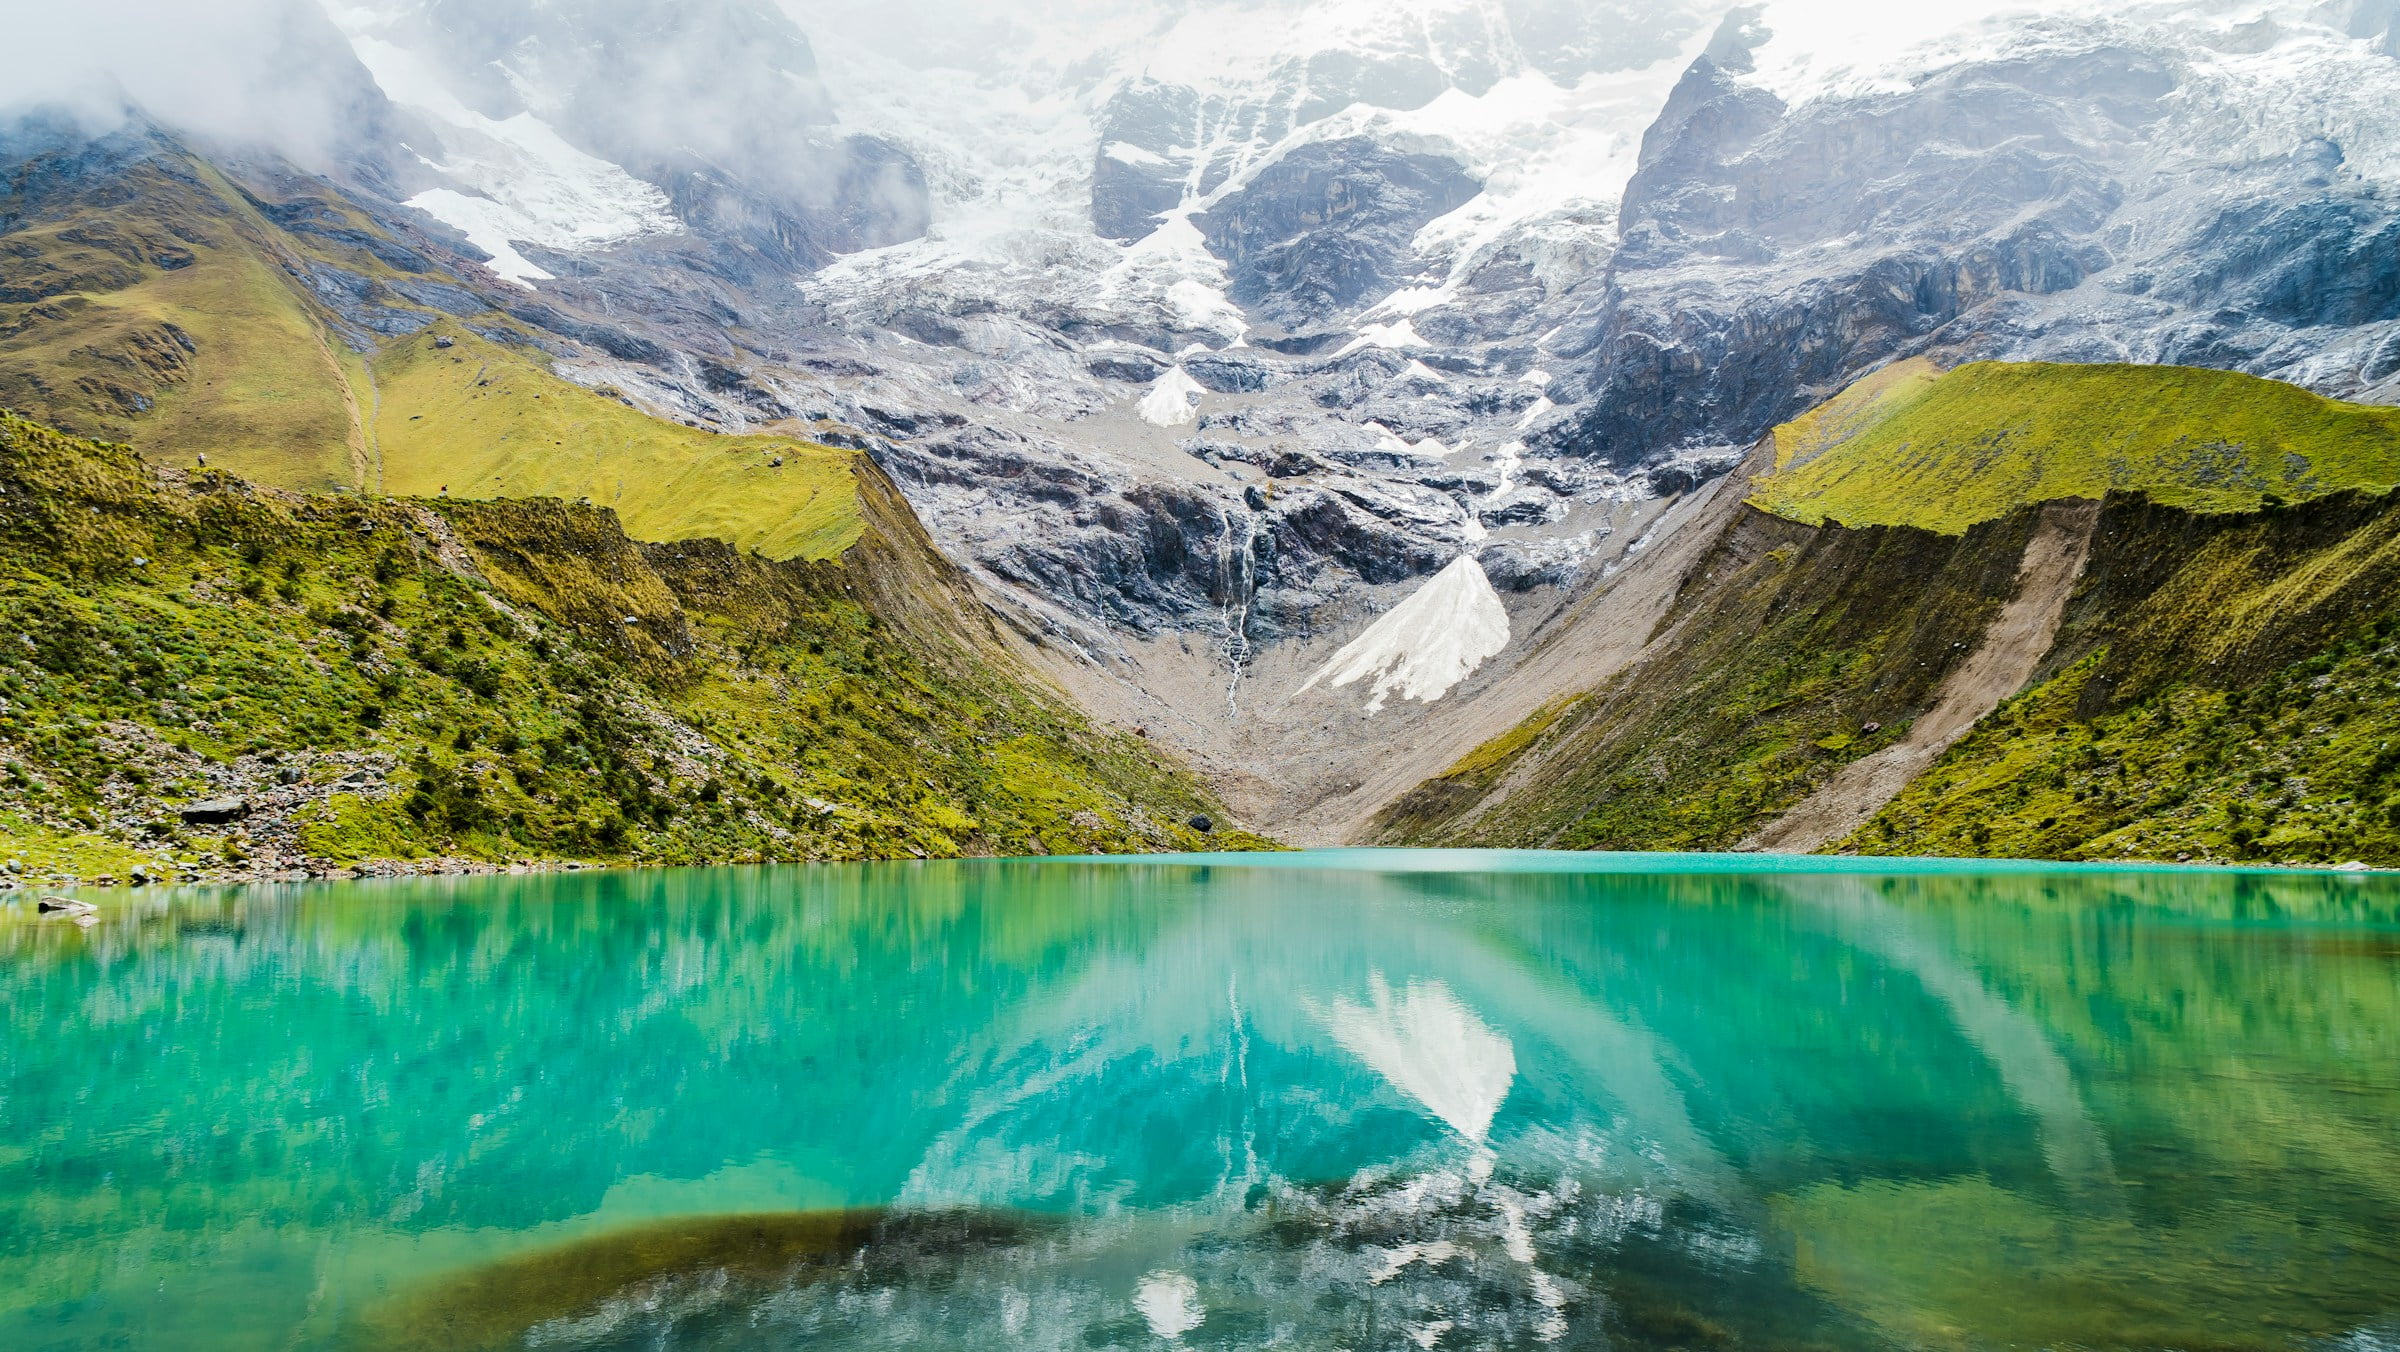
(1173, 266)
(1411, 300)
(1126, 152)
(1856, 47)
(1426, 644)
(1510, 459)
(488, 226)
(1173, 400)
(1398, 334)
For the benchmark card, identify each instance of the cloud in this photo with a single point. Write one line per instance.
(261, 72)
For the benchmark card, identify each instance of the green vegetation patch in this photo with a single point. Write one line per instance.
(149, 307)
(2303, 767)
(1487, 760)
(1874, 398)
(2222, 691)
(500, 681)
(481, 420)
(1907, 448)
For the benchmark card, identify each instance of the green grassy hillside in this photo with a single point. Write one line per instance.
(394, 679)
(1913, 447)
(155, 301)
(2219, 688)
(2224, 691)
(485, 420)
(156, 305)
(1790, 641)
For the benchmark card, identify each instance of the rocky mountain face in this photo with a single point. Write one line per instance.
(2085, 190)
(1328, 226)
(718, 105)
(1203, 335)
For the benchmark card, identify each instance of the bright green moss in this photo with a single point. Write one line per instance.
(1906, 448)
(484, 421)
(1493, 756)
(2303, 767)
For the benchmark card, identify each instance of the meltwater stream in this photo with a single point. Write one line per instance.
(1351, 1100)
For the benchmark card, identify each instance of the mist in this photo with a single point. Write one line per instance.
(262, 72)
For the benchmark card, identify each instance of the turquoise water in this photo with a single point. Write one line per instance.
(1356, 1100)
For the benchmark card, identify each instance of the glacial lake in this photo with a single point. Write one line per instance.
(1351, 1100)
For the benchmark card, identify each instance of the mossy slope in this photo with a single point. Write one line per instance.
(485, 420)
(2217, 689)
(1910, 447)
(393, 678)
(2222, 691)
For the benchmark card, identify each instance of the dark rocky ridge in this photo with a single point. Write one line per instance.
(1329, 225)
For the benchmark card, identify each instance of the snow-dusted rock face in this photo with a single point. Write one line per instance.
(1346, 227)
(1332, 223)
(2204, 185)
(715, 106)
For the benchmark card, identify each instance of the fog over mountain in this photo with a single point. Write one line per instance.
(1205, 333)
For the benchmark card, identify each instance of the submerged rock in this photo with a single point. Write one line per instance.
(683, 1273)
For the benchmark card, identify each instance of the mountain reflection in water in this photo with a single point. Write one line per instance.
(1358, 1101)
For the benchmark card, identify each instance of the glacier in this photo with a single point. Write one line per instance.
(1428, 643)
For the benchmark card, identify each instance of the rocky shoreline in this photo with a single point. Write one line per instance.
(17, 886)
(245, 830)
(287, 871)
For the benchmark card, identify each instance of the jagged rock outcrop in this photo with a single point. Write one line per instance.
(2093, 193)
(1329, 225)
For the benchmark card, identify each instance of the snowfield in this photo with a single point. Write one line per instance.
(518, 181)
(1428, 643)
(1173, 400)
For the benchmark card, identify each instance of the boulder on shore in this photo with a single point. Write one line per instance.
(214, 811)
